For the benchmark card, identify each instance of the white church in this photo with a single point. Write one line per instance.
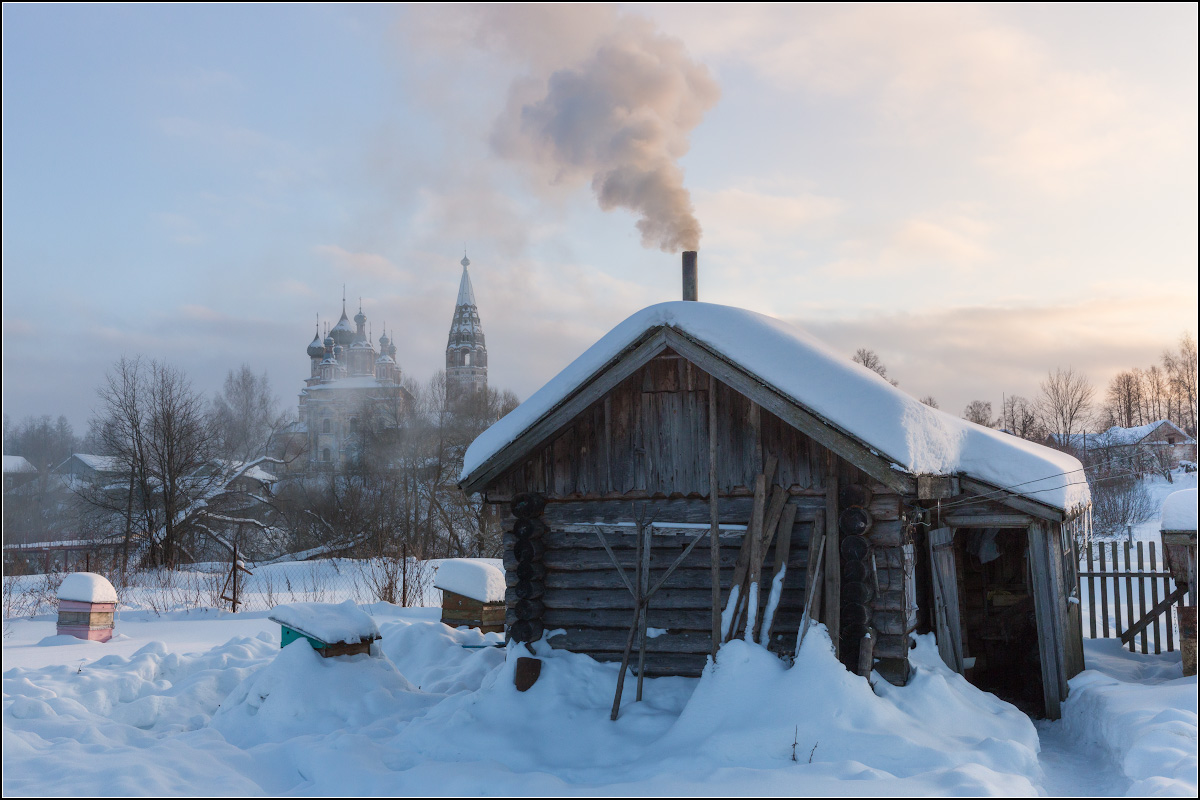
(350, 380)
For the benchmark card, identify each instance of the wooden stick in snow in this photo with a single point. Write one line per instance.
(633, 629)
(782, 550)
(816, 568)
(644, 590)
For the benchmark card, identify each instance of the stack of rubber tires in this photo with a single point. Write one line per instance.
(528, 548)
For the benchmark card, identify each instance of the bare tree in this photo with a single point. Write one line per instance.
(1156, 391)
(979, 412)
(1065, 404)
(930, 401)
(1019, 417)
(164, 491)
(1125, 398)
(870, 359)
(244, 415)
(1180, 366)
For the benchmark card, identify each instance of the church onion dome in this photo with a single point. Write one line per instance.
(343, 333)
(360, 317)
(316, 349)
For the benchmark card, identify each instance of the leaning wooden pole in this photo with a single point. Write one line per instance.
(633, 629)
(714, 546)
(644, 593)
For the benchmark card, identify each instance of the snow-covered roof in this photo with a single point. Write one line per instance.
(916, 438)
(99, 463)
(255, 472)
(14, 464)
(87, 587)
(328, 622)
(1117, 436)
(471, 578)
(1179, 511)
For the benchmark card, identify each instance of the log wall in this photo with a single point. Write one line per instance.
(643, 450)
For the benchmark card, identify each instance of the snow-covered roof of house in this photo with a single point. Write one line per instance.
(87, 587)
(15, 464)
(473, 578)
(255, 472)
(328, 622)
(915, 438)
(1116, 436)
(1179, 511)
(97, 463)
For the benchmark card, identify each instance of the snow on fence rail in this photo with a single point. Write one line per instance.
(1119, 584)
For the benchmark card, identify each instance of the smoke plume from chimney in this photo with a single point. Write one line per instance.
(618, 115)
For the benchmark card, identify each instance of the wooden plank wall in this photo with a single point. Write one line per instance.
(649, 437)
(644, 447)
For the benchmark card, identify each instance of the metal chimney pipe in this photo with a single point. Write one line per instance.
(690, 290)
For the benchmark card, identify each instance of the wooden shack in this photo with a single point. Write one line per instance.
(748, 448)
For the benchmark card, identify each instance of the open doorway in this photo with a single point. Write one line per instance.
(999, 623)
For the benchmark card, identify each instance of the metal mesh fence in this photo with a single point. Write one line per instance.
(405, 582)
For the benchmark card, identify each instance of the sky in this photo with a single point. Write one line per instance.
(980, 194)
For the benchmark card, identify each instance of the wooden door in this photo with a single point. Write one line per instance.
(945, 597)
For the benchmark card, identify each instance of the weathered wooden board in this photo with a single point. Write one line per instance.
(650, 434)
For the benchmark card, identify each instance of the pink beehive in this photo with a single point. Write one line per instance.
(86, 604)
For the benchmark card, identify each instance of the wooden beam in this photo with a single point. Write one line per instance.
(833, 561)
(1049, 651)
(1012, 499)
(937, 487)
(713, 518)
(1153, 614)
(987, 521)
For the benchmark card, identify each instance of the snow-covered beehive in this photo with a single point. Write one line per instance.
(86, 604)
(472, 594)
(332, 629)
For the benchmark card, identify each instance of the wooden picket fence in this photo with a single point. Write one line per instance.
(1131, 585)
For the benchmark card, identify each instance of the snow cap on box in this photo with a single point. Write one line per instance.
(471, 578)
(87, 587)
(1179, 511)
(328, 622)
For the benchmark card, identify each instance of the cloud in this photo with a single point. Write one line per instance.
(366, 266)
(14, 326)
(963, 353)
(203, 314)
(937, 73)
(745, 219)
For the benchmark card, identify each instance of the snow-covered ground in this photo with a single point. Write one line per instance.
(205, 702)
